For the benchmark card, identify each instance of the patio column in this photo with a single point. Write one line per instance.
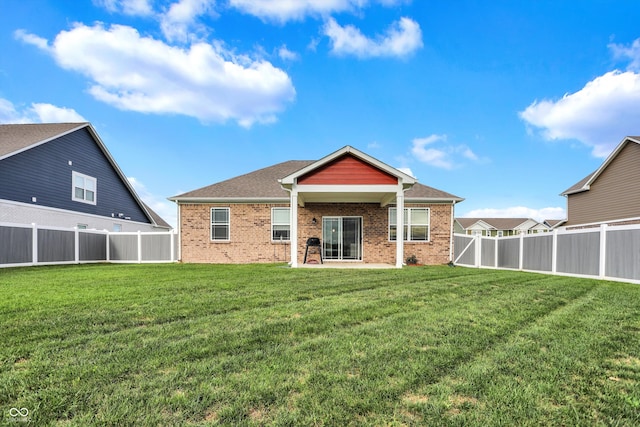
(399, 227)
(294, 226)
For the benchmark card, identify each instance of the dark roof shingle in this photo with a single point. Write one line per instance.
(263, 184)
(15, 137)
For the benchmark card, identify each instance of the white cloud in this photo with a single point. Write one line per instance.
(434, 150)
(631, 53)
(179, 22)
(518, 212)
(160, 205)
(37, 113)
(127, 7)
(285, 54)
(402, 38)
(287, 10)
(408, 171)
(48, 113)
(39, 42)
(599, 115)
(136, 73)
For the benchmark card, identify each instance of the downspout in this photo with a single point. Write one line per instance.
(453, 208)
(179, 226)
(293, 223)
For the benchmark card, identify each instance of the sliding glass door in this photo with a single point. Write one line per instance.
(342, 238)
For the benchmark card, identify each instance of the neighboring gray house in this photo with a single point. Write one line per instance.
(62, 175)
(612, 192)
(498, 227)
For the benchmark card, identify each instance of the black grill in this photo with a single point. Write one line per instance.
(313, 242)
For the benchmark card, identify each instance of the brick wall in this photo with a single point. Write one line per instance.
(250, 234)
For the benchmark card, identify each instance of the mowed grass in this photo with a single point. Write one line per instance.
(266, 345)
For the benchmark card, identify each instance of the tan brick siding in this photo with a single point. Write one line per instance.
(250, 234)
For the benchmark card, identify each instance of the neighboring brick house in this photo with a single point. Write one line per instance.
(347, 199)
(611, 194)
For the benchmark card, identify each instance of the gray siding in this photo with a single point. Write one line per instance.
(44, 172)
(615, 194)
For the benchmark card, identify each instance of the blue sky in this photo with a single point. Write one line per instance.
(505, 103)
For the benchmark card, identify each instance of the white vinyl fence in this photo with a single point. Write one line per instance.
(22, 245)
(605, 252)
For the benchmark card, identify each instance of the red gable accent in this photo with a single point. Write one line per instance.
(347, 170)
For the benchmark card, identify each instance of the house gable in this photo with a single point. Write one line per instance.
(610, 193)
(41, 175)
(347, 170)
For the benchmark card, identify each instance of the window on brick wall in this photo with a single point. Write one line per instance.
(416, 224)
(220, 224)
(280, 224)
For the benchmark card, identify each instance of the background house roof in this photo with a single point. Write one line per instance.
(496, 223)
(263, 184)
(17, 137)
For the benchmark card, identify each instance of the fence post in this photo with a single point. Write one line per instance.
(603, 250)
(108, 239)
(139, 247)
(34, 243)
(521, 260)
(172, 244)
(554, 252)
(479, 251)
(496, 240)
(76, 243)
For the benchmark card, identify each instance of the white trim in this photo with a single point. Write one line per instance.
(228, 224)
(402, 177)
(408, 237)
(273, 223)
(360, 243)
(223, 200)
(37, 207)
(294, 226)
(587, 185)
(400, 227)
(86, 179)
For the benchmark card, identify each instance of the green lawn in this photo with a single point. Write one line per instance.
(208, 345)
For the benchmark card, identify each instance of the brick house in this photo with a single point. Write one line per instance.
(348, 200)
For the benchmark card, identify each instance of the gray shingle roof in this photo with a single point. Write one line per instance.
(16, 137)
(497, 223)
(263, 184)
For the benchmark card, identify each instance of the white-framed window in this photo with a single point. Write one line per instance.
(220, 224)
(82, 226)
(416, 224)
(280, 224)
(117, 228)
(84, 188)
